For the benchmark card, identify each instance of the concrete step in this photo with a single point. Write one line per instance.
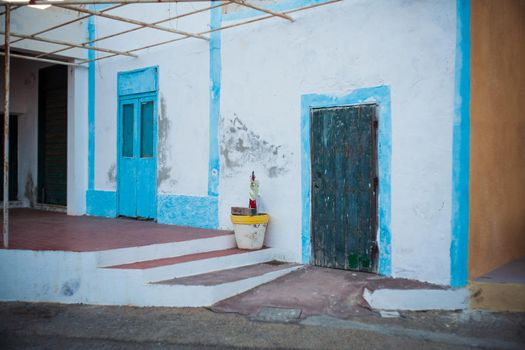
(209, 288)
(500, 290)
(230, 275)
(193, 264)
(164, 250)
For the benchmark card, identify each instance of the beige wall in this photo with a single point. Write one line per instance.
(497, 148)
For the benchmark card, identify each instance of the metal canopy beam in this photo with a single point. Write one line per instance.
(132, 21)
(137, 28)
(141, 24)
(262, 9)
(217, 29)
(36, 58)
(68, 22)
(94, 2)
(12, 9)
(271, 16)
(60, 42)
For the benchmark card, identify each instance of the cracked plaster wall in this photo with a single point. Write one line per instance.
(183, 100)
(266, 67)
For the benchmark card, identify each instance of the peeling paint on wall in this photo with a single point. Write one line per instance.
(164, 127)
(240, 146)
(112, 174)
(70, 287)
(30, 190)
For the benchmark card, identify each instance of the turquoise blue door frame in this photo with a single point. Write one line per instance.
(126, 170)
(379, 95)
(136, 154)
(137, 143)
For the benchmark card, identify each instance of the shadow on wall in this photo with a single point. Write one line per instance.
(163, 172)
(240, 146)
(112, 174)
(30, 190)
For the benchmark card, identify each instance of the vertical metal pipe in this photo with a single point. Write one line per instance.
(6, 125)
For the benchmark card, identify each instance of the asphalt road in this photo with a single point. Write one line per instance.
(57, 326)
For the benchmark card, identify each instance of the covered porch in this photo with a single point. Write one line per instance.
(40, 230)
(54, 257)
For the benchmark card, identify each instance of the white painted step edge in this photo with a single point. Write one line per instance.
(164, 250)
(202, 266)
(228, 290)
(417, 299)
(198, 296)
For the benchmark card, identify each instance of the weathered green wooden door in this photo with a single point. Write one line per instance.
(344, 186)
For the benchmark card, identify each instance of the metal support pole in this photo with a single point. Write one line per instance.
(6, 126)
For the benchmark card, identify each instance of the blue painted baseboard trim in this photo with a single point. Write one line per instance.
(192, 211)
(381, 96)
(101, 203)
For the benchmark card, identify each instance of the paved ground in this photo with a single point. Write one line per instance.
(317, 291)
(311, 308)
(57, 326)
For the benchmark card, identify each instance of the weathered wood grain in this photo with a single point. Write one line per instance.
(344, 209)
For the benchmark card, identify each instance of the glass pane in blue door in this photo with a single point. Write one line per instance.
(146, 130)
(127, 130)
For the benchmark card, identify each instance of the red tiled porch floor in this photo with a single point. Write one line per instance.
(42, 230)
(180, 259)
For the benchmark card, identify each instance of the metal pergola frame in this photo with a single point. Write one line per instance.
(84, 13)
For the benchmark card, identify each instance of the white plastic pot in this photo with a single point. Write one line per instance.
(250, 230)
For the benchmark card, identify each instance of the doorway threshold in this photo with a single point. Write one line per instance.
(50, 207)
(13, 204)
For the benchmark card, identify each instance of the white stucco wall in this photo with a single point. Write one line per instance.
(266, 68)
(407, 45)
(28, 21)
(183, 98)
(24, 104)
(24, 98)
(77, 140)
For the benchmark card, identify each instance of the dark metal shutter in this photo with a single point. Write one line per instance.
(52, 136)
(13, 158)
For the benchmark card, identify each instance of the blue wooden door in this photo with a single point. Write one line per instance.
(137, 157)
(344, 187)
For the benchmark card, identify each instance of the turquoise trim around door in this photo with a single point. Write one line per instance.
(379, 95)
(127, 153)
(137, 143)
